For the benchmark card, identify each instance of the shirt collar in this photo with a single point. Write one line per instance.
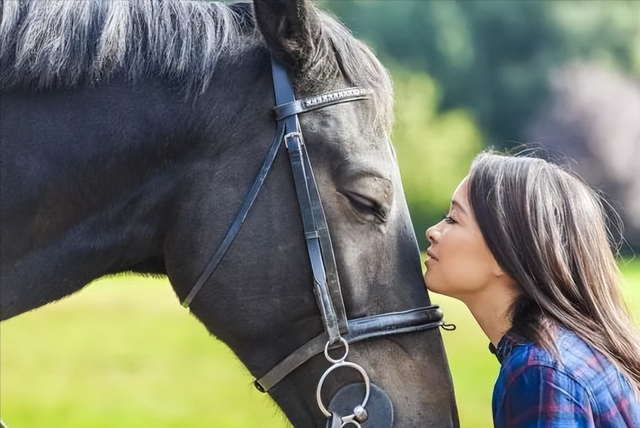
(504, 348)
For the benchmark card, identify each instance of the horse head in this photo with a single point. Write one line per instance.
(377, 258)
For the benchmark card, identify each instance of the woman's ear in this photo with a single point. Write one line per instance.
(502, 276)
(290, 28)
(498, 271)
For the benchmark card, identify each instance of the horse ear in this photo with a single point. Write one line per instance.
(291, 29)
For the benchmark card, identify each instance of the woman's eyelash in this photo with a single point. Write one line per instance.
(448, 219)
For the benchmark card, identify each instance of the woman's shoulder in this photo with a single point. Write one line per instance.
(573, 363)
(571, 355)
(571, 385)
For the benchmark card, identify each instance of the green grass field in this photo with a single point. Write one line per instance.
(123, 353)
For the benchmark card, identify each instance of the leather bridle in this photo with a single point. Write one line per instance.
(339, 331)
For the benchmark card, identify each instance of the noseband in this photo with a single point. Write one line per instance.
(339, 331)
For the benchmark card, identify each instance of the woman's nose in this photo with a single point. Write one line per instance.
(430, 234)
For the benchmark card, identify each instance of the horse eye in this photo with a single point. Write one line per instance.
(367, 206)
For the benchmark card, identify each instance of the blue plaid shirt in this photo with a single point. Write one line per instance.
(536, 390)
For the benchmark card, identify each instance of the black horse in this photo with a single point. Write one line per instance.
(132, 132)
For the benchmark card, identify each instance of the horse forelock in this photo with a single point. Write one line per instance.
(361, 67)
(60, 43)
(340, 55)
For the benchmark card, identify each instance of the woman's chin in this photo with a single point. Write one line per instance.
(429, 283)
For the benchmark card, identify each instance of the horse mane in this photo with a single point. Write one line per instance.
(358, 64)
(49, 44)
(60, 43)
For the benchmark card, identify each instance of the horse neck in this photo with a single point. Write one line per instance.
(142, 171)
(92, 172)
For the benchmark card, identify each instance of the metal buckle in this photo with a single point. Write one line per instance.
(359, 414)
(292, 135)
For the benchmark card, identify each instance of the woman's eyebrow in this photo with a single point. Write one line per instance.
(456, 204)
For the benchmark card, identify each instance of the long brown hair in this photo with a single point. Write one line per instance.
(548, 230)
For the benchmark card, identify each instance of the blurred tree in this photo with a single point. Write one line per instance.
(593, 118)
(494, 57)
(602, 32)
(434, 150)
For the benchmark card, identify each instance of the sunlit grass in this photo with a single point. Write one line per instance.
(123, 353)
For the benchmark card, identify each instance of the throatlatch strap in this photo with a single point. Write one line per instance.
(240, 217)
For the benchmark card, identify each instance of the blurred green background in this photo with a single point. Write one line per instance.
(468, 74)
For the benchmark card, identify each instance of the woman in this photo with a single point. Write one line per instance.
(526, 247)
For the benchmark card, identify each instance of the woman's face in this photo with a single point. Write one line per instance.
(459, 263)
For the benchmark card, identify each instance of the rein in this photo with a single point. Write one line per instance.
(339, 331)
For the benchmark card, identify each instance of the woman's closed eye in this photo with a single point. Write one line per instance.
(449, 220)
